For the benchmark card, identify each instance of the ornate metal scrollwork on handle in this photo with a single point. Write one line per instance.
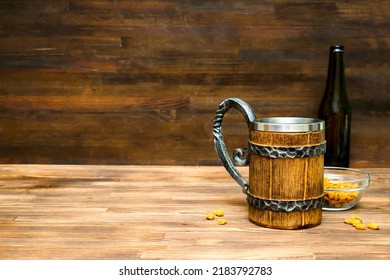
(219, 143)
(239, 157)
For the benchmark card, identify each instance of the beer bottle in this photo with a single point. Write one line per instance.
(336, 111)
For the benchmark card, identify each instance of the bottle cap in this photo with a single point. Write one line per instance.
(337, 48)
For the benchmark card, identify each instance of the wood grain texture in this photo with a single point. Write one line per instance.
(138, 82)
(158, 212)
(286, 179)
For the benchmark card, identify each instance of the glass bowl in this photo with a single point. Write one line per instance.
(343, 187)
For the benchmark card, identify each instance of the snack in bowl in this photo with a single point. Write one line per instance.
(343, 187)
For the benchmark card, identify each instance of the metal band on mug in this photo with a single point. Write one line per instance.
(284, 205)
(284, 152)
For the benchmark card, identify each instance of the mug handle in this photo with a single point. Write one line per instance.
(219, 143)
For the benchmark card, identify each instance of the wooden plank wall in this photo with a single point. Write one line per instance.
(138, 82)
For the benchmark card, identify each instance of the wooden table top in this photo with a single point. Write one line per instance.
(158, 212)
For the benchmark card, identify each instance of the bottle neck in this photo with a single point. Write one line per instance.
(336, 78)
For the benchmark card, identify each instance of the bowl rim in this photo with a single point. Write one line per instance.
(366, 177)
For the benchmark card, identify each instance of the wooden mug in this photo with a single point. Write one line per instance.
(286, 167)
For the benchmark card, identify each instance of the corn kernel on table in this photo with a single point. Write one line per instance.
(159, 212)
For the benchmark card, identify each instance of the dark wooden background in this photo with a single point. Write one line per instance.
(138, 82)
